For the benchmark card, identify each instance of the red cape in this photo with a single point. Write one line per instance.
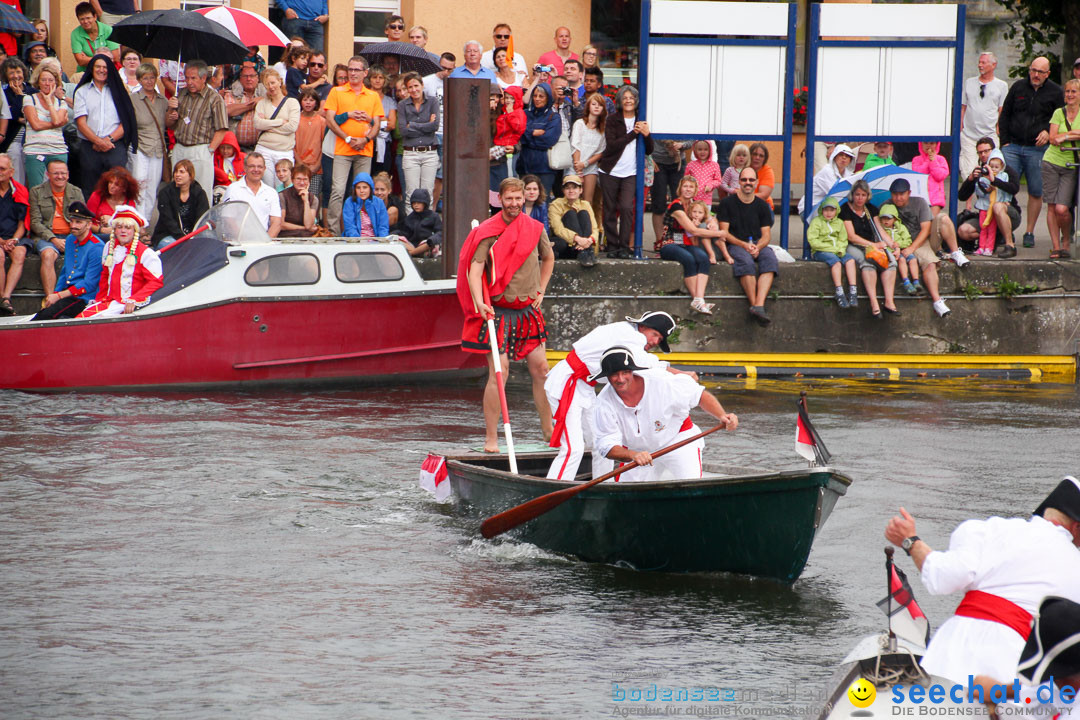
(516, 241)
(22, 195)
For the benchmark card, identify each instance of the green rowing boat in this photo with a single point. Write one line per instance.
(760, 524)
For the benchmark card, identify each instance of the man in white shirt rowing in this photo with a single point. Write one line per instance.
(644, 410)
(1005, 567)
(570, 392)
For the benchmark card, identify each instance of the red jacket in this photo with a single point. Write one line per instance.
(509, 127)
(220, 178)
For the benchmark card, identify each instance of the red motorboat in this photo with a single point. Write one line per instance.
(240, 309)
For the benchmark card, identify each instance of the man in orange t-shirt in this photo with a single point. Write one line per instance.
(353, 113)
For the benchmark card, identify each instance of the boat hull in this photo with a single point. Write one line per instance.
(245, 341)
(762, 525)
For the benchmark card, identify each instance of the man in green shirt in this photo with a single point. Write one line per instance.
(91, 37)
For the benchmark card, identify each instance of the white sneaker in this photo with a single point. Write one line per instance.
(941, 308)
(958, 258)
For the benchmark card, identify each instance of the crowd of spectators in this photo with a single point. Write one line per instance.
(352, 148)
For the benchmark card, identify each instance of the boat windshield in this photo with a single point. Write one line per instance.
(235, 223)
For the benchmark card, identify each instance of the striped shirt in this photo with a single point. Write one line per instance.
(201, 115)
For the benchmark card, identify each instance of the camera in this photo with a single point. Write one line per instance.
(984, 170)
(567, 90)
(543, 68)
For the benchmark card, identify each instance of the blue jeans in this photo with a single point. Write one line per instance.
(830, 258)
(1028, 160)
(310, 30)
(694, 259)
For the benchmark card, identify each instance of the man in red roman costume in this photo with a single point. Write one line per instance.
(503, 271)
(1005, 567)
(130, 271)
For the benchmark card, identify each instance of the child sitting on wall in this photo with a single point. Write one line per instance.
(828, 241)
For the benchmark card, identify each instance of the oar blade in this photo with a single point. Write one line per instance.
(521, 514)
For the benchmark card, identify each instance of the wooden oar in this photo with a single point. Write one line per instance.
(501, 383)
(520, 514)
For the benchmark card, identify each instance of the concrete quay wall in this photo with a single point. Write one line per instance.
(1045, 320)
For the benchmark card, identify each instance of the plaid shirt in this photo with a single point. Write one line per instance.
(200, 116)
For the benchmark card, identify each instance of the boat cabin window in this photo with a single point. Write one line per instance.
(367, 267)
(295, 269)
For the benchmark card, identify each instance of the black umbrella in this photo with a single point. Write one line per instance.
(179, 34)
(14, 22)
(410, 57)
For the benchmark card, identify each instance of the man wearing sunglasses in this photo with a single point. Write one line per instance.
(394, 29)
(316, 77)
(983, 97)
(746, 222)
(501, 36)
(305, 18)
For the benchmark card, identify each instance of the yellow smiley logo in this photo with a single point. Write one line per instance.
(862, 693)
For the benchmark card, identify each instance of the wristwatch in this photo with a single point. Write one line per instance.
(348, 139)
(908, 542)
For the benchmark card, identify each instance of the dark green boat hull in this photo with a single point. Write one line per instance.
(754, 524)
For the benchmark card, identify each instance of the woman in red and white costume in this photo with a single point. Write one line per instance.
(130, 270)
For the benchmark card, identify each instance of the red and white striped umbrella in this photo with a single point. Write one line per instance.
(252, 29)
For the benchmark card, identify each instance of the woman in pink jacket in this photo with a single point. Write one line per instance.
(930, 163)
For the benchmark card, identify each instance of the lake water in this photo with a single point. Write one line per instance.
(270, 555)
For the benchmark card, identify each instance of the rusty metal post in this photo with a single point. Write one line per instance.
(466, 140)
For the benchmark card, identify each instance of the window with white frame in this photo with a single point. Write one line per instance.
(369, 20)
(197, 4)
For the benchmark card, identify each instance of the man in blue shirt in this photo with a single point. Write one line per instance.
(82, 269)
(305, 18)
(472, 67)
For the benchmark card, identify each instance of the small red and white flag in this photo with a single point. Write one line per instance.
(434, 477)
(807, 442)
(906, 618)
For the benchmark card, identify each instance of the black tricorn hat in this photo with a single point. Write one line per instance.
(615, 359)
(1066, 498)
(1053, 648)
(657, 320)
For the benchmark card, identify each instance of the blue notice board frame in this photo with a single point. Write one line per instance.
(811, 104)
(647, 40)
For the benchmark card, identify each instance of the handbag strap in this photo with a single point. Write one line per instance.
(278, 108)
(1074, 149)
(161, 134)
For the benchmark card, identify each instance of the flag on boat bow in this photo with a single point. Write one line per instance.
(807, 442)
(434, 477)
(906, 618)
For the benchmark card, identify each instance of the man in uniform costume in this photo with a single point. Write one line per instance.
(503, 271)
(642, 411)
(1005, 567)
(82, 268)
(130, 271)
(569, 390)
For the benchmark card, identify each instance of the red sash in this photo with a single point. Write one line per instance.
(687, 424)
(581, 372)
(984, 606)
